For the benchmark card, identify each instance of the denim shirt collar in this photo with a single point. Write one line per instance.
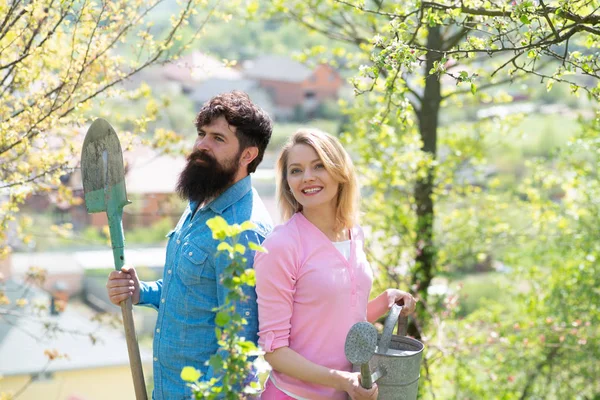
(230, 196)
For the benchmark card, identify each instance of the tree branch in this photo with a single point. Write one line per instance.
(549, 20)
(455, 39)
(377, 12)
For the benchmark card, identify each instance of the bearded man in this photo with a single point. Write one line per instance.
(233, 134)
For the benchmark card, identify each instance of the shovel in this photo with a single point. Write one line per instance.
(104, 189)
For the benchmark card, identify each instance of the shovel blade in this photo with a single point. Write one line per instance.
(102, 169)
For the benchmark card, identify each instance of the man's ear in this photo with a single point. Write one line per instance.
(248, 155)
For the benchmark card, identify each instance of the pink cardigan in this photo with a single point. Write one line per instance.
(309, 296)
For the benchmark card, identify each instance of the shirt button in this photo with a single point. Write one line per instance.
(162, 300)
(247, 313)
(155, 358)
(169, 271)
(190, 253)
(178, 241)
(157, 330)
(185, 244)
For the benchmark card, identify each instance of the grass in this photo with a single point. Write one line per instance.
(544, 133)
(478, 289)
(44, 239)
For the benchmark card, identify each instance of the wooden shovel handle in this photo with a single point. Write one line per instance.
(135, 360)
(117, 239)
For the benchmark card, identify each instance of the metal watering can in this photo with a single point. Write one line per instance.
(394, 363)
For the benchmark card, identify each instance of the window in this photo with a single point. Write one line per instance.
(43, 376)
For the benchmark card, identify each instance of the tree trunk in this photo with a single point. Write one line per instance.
(428, 124)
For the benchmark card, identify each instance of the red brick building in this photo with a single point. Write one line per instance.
(292, 85)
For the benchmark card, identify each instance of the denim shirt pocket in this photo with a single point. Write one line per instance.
(192, 263)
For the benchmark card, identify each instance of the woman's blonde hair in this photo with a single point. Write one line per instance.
(336, 161)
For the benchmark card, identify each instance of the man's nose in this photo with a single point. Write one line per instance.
(202, 144)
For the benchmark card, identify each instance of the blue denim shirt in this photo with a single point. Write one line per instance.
(191, 289)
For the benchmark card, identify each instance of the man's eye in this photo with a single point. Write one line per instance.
(219, 139)
(201, 134)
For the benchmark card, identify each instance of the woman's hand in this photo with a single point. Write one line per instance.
(401, 298)
(352, 386)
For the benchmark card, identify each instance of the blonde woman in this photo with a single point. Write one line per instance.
(315, 281)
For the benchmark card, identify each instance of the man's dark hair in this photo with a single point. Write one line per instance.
(253, 125)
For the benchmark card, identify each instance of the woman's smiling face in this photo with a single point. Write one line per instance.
(310, 182)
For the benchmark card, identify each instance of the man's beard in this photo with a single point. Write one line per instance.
(203, 180)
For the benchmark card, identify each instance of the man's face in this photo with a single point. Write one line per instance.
(213, 164)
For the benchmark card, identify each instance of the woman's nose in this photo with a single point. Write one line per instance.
(308, 175)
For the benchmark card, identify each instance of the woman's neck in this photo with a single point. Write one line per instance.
(324, 219)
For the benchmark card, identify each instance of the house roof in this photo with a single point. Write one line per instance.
(150, 172)
(276, 68)
(24, 339)
(147, 171)
(204, 91)
(197, 66)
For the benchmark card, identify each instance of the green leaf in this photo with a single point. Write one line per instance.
(247, 226)
(240, 248)
(222, 318)
(249, 277)
(190, 374)
(224, 246)
(218, 226)
(252, 7)
(525, 19)
(473, 88)
(257, 247)
(216, 362)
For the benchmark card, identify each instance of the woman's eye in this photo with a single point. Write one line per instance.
(319, 166)
(294, 171)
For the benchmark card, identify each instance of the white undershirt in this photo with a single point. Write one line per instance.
(343, 247)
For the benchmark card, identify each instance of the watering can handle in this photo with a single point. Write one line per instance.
(402, 325)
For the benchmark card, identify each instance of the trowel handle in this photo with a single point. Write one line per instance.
(365, 376)
(117, 240)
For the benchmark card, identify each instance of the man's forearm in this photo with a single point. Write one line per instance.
(150, 294)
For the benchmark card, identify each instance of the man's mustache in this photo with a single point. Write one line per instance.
(198, 155)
